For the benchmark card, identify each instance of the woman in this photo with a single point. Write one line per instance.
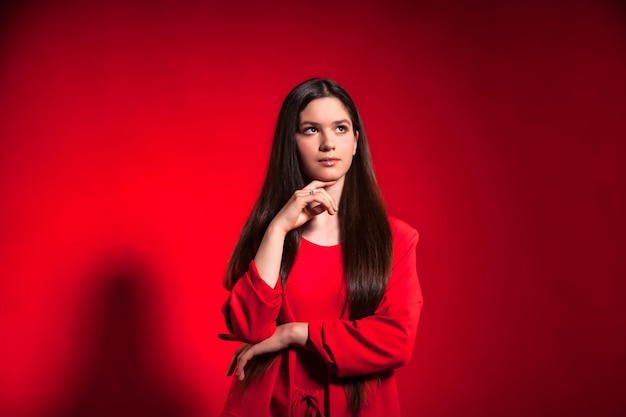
(323, 285)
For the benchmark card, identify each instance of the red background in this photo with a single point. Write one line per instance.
(134, 138)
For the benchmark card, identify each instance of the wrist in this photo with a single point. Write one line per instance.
(275, 232)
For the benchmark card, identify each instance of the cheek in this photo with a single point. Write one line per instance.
(349, 146)
(305, 149)
(299, 149)
(303, 159)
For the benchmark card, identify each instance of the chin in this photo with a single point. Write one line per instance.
(324, 176)
(327, 178)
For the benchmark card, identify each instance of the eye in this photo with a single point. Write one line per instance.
(341, 128)
(310, 130)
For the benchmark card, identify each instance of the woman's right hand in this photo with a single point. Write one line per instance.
(305, 204)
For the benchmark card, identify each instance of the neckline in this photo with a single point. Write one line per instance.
(320, 246)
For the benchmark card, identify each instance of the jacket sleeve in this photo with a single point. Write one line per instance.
(252, 307)
(385, 339)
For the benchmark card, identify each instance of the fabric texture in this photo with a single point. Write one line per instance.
(307, 381)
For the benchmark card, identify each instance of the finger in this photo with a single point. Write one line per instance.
(251, 351)
(235, 358)
(314, 197)
(308, 195)
(315, 210)
(323, 192)
(321, 195)
(318, 205)
(317, 186)
(316, 193)
(244, 357)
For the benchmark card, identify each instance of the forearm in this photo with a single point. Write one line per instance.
(269, 255)
(365, 346)
(288, 334)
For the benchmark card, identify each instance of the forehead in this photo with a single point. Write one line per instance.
(325, 109)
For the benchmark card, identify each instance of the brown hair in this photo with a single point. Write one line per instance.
(365, 233)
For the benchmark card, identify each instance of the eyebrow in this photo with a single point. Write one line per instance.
(338, 122)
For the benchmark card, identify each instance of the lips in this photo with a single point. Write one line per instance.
(329, 162)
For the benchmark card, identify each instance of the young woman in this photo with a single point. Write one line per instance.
(323, 285)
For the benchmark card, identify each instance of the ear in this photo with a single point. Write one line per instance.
(356, 141)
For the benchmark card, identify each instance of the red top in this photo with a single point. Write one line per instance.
(304, 382)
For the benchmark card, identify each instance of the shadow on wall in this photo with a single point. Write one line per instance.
(122, 374)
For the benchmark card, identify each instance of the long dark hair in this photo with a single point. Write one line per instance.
(365, 233)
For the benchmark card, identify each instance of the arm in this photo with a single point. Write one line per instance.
(384, 340)
(256, 298)
(252, 307)
(288, 334)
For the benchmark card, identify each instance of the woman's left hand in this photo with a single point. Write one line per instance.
(288, 334)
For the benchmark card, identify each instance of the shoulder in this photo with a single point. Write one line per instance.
(403, 234)
(405, 239)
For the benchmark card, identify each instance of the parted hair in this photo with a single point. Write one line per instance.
(366, 241)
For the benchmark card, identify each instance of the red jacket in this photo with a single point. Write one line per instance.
(374, 345)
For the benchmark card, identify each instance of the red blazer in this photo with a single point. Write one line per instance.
(376, 344)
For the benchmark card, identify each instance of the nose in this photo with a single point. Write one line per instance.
(327, 142)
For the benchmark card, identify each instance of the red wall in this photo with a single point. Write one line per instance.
(134, 137)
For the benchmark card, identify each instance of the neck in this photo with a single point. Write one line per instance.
(323, 229)
(336, 189)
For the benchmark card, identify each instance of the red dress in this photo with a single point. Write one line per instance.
(305, 381)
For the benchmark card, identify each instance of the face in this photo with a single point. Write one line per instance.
(326, 140)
